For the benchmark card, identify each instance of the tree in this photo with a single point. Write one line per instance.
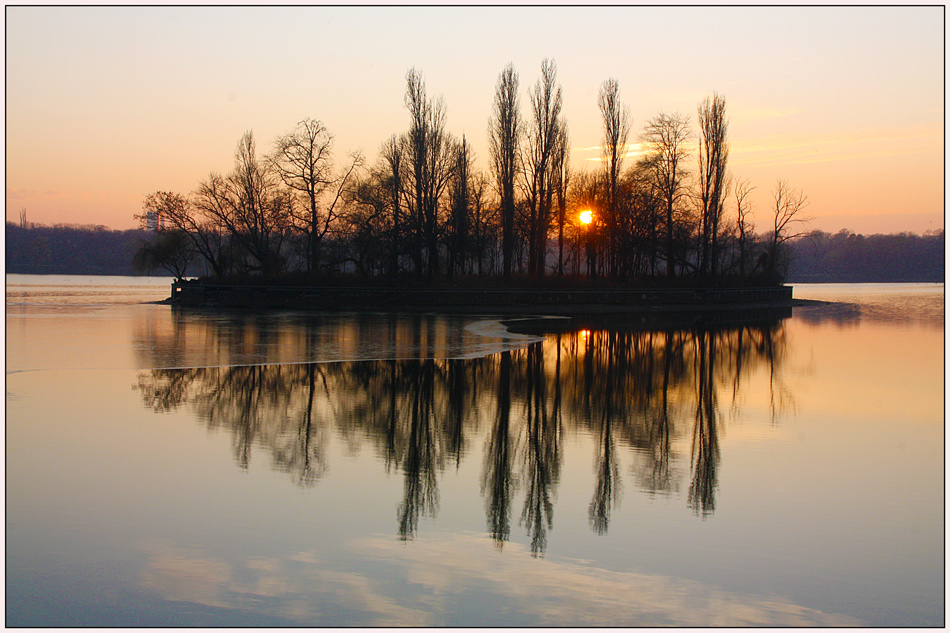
(392, 156)
(616, 129)
(365, 223)
(302, 161)
(249, 204)
(788, 204)
(460, 196)
(560, 180)
(586, 192)
(171, 251)
(744, 226)
(713, 156)
(635, 236)
(665, 136)
(484, 226)
(428, 170)
(504, 130)
(542, 138)
(205, 232)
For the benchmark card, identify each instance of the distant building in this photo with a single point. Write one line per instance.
(154, 221)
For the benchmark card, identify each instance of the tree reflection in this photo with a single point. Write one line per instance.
(303, 453)
(497, 480)
(614, 401)
(635, 393)
(423, 453)
(660, 477)
(705, 445)
(541, 452)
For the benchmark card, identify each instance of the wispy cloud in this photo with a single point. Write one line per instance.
(801, 149)
(797, 149)
(302, 588)
(752, 114)
(444, 570)
(19, 194)
(634, 151)
(575, 593)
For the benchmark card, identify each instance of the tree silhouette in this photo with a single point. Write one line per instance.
(504, 131)
(713, 157)
(302, 161)
(543, 131)
(429, 159)
(665, 136)
(171, 251)
(497, 480)
(616, 129)
(423, 455)
(541, 454)
(705, 446)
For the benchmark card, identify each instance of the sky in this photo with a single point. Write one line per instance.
(107, 104)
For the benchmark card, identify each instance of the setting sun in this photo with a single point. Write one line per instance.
(587, 216)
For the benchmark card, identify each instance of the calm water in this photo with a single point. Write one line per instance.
(188, 468)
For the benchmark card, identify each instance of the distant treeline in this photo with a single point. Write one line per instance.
(845, 257)
(72, 249)
(817, 257)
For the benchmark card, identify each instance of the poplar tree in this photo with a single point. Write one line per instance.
(504, 130)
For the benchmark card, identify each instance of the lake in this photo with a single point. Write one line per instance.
(168, 467)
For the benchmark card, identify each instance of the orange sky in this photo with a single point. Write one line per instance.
(107, 104)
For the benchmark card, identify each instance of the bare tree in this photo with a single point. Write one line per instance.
(302, 161)
(365, 218)
(616, 129)
(586, 192)
(419, 112)
(460, 195)
(249, 204)
(204, 232)
(560, 180)
(429, 167)
(543, 131)
(504, 130)
(666, 136)
(484, 226)
(788, 204)
(744, 227)
(170, 250)
(713, 156)
(392, 154)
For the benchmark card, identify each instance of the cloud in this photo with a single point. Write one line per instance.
(796, 149)
(180, 575)
(18, 193)
(435, 574)
(801, 149)
(300, 588)
(568, 592)
(754, 114)
(634, 150)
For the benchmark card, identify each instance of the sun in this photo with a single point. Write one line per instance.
(587, 216)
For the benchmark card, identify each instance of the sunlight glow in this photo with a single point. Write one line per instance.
(587, 216)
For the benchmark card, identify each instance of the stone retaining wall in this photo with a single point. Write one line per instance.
(465, 300)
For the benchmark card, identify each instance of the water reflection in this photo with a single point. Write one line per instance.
(631, 392)
(705, 445)
(191, 338)
(497, 483)
(848, 305)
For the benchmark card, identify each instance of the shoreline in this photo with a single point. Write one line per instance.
(454, 300)
(641, 308)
